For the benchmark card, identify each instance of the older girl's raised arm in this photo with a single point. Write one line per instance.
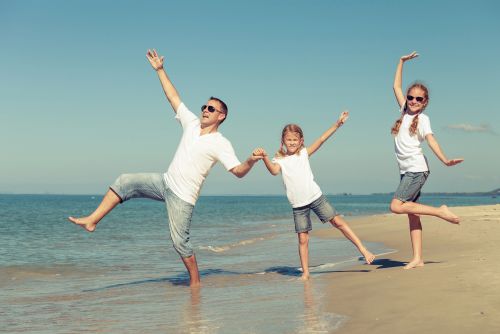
(398, 78)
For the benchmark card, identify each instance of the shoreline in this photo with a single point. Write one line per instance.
(457, 289)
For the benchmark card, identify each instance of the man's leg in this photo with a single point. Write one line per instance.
(126, 186)
(108, 203)
(179, 220)
(192, 268)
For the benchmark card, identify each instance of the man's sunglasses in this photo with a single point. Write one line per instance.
(418, 98)
(209, 108)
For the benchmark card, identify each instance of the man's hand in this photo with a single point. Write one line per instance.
(155, 61)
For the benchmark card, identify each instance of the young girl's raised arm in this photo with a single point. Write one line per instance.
(433, 144)
(317, 144)
(398, 78)
(273, 168)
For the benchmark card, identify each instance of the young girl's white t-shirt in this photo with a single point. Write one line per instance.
(195, 156)
(298, 179)
(408, 151)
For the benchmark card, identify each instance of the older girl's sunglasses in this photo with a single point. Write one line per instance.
(417, 98)
(209, 108)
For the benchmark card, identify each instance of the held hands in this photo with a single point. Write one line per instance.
(155, 61)
(453, 162)
(412, 55)
(342, 118)
(259, 153)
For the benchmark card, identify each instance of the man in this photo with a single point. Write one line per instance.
(201, 146)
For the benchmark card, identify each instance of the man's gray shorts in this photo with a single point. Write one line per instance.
(152, 185)
(410, 185)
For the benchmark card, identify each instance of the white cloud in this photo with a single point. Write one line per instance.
(485, 128)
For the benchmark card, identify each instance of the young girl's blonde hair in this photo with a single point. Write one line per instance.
(289, 128)
(414, 123)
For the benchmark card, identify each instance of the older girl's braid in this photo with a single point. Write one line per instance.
(397, 124)
(414, 124)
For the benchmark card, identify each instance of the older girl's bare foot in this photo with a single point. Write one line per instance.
(88, 224)
(369, 257)
(304, 277)
(414, 264)
(448, 215)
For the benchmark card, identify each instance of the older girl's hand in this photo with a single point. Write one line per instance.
(453, 162)
(412, 55)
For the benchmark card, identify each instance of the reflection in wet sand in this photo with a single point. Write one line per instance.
(313, 319)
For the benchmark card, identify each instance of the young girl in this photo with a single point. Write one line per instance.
(292, 160)
(409, 131)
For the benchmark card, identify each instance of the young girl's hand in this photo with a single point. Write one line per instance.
(453, 162)
(412, 55)
(342, 118)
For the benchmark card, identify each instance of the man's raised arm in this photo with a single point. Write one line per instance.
(169, 89)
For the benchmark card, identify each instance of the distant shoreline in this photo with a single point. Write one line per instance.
(495, 192)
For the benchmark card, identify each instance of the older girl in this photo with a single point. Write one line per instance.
(409, 131)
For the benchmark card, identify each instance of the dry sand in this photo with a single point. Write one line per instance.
(457, 291)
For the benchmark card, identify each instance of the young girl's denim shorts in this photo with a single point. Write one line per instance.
(410, 185)
(321, 207)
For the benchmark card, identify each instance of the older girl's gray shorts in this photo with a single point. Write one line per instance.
(410, 185)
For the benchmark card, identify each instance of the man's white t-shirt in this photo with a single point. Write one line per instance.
(408, 151)
(298, 179)
(195, 156)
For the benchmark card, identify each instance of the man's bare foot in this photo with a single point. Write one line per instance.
(194, 283)
(369, 256)
(304, 277)
(448, 215)
(414, 264)
(85, 222)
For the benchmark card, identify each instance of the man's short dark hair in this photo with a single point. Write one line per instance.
(222, 105)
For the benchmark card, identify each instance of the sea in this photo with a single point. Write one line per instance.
(126, 277)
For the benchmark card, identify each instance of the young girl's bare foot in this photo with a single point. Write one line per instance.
(369, 257)
(304, 277)
(85, 222)
(414, 264)
(448, 215)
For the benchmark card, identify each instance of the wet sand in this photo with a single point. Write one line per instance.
(458, 289)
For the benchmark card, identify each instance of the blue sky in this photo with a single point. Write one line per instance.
(80, 104)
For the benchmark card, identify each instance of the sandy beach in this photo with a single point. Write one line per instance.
(457, 291)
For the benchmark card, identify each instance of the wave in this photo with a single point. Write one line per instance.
(225, 248)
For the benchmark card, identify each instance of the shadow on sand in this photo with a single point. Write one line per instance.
(388, 263)
(179, 279)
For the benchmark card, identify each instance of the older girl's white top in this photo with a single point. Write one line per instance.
(408, 150)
